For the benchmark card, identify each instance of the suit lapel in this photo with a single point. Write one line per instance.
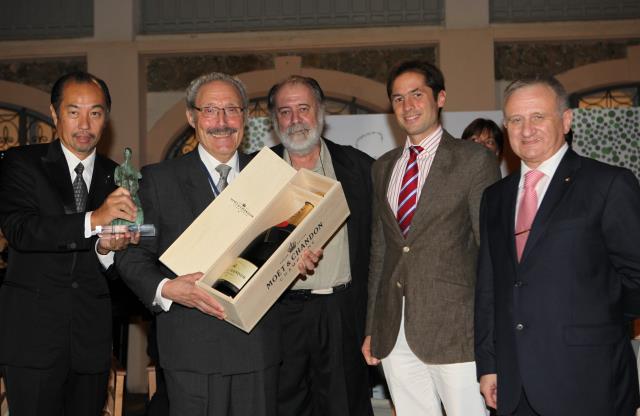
(55, 165)
(101, 184)
(509, 217)
(434, 184)
(342, 170)
(560, 182)
(386, 171)
(243, 160)
(197, 188)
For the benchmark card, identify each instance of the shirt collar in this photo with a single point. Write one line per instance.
(211, 163)
(73, 160)
(429, 143)
(324, 155)
(549, 166)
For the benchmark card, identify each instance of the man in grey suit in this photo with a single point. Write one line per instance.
(423, 253)
(211, 367)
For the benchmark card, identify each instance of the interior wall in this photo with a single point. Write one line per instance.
(465, 52)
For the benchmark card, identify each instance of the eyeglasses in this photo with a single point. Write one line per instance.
(211, 111)
(536, 119)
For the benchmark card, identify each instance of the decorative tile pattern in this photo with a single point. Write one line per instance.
(40, 73)
(173, 73)
(369, 63)
(518, 60)
(609, 135)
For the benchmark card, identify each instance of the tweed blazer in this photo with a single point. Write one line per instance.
(434, 267)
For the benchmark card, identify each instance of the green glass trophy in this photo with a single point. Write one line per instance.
(127, 177)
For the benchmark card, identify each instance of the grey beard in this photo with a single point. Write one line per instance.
(301, 146)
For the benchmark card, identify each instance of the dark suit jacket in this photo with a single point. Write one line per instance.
(434, 267)
(353, 171)
(572, 353)
(54, 301)
(173, 194)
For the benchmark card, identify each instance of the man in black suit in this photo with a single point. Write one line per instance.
(323, 372)
(55, 311)
(560, 243)
(210, 366)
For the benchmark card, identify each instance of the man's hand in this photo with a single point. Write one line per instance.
(183, 290)
(366, 351)
(117, 205)
(308, 261)
(489, 389)
(116, 242)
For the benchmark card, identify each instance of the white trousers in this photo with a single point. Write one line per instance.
(418, 388)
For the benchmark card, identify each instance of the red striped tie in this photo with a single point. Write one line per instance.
(407, 199)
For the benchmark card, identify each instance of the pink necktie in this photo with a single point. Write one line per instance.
(527, 210)
(407, 198)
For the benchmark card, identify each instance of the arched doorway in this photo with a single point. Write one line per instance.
(21, 126)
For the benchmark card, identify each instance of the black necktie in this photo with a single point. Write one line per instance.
(80, 192)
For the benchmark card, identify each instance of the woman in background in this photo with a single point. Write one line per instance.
(485, 132)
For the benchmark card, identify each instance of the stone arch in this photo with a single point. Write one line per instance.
(603, 74)
(334, 83)
(26, 118)
(25, 96)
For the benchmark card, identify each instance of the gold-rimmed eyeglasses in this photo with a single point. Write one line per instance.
(211, 111)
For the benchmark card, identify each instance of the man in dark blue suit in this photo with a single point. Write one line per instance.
(55, 308)
(560, 243)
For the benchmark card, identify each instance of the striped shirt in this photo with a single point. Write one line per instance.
(425, 159)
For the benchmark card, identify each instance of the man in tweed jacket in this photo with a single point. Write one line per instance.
(422, 275)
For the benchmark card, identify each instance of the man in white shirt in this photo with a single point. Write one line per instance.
(560, 246)
(55, 308)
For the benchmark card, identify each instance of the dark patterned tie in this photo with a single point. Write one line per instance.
(223, 170)
(407, 198)
(80, 192)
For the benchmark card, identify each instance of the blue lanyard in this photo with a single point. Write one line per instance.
(214, 188)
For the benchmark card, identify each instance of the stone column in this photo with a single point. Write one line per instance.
(466, 56)
(113, 56)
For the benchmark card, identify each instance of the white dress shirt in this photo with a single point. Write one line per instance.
(429, 145)
(89, 162)
(548, 168)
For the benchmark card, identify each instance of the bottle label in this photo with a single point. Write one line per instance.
(239, 272)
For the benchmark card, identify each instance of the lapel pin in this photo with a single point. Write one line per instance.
(567, 179)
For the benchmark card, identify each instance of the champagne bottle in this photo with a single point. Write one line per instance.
(257, 253)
